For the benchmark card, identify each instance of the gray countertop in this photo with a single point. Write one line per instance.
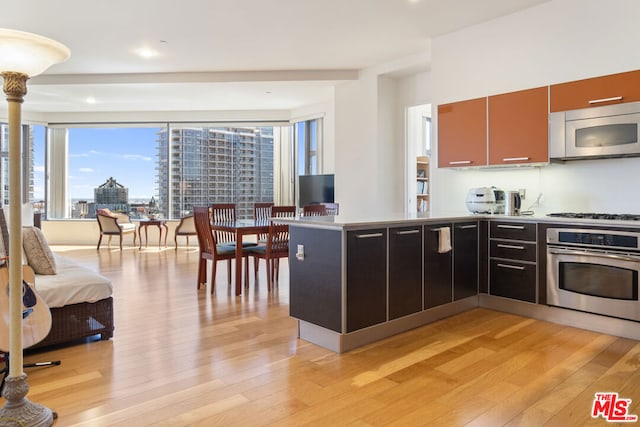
(341, 222)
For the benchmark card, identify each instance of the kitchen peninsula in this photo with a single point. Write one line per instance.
(353, 282)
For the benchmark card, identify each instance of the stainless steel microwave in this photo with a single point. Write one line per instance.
(598, 132)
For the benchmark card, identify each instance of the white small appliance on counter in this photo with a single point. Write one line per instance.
(488, 200)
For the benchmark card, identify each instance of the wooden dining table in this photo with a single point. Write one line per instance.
(241, 228)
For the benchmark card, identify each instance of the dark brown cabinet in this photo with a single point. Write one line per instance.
(518, 127)
(366, 278)
(462, 133)
(405, 271)
(465, 260)
(513, 260)
(438, 271)
(451, 275)
(315, 284)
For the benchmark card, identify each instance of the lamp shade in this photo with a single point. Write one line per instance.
(28, 53)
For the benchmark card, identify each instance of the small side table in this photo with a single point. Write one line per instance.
(160, 223)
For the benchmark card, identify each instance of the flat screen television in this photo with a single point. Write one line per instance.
(315, 189)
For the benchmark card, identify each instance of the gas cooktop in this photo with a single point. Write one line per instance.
(589, 215)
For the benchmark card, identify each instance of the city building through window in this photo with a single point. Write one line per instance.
(162, 169)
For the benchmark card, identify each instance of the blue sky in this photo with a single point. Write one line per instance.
(96, 154)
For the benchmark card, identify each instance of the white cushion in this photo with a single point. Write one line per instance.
(127, 226)
(36, 248)
(73, 284)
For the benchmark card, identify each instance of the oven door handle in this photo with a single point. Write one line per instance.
(594, 254)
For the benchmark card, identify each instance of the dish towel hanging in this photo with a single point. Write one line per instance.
(444, 240)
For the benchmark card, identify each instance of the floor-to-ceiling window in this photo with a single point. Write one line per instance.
(32, 142)
(165, 169)
(37, 176)
(203, 165)
(307, 137)
(111, 167)
(307, 142)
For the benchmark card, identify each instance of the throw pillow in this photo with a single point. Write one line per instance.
(106, 212)
(36, 248)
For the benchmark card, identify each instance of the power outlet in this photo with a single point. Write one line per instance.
(523, 193)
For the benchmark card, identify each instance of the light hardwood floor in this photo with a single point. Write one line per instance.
(183, 357)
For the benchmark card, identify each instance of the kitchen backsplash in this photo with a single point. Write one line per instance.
(605, 185)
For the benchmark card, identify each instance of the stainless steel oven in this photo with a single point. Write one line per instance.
(594, 270)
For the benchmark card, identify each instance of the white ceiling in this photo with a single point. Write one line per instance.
(227, 54)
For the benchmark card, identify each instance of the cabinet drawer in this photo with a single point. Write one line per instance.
(513, 230)
(512, 279)
(513, 250)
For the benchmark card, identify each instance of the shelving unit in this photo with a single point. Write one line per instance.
(422, 183)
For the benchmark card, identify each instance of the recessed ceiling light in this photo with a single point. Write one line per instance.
(146, 52)
(90, 100)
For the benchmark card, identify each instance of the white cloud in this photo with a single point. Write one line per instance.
(86, 170)
(136, 157)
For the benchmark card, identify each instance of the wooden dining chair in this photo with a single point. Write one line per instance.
(277, 247)
(314, 210)
(283, 212)
(210, 250)
(262, 213)
(224, 213)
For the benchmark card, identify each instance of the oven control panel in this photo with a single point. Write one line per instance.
(594, 238)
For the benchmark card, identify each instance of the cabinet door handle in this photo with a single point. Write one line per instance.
(598, 101)
(436, 230)
(515, 159)
(500, 245)
(512, 267)
(407, 232)
(461, 162)
(511, 227)
(464, 227)
(368, 236)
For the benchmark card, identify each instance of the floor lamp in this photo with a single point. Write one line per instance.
(22, 55)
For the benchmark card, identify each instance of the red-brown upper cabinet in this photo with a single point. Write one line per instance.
(462, 133)
(518, 127)
(605, 90)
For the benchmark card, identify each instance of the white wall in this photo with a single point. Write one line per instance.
(87, 232)
(369, 147)
(558, 41)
